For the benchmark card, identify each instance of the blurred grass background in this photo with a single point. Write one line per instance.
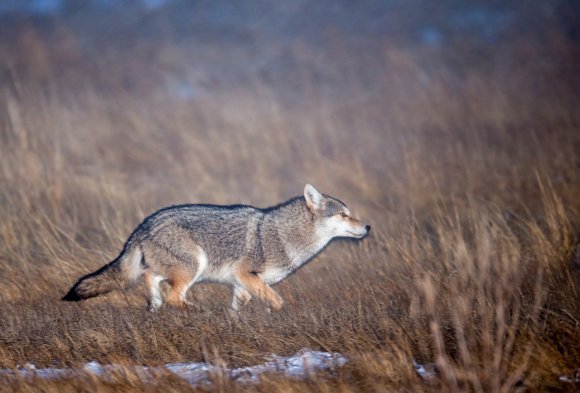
(452, 127)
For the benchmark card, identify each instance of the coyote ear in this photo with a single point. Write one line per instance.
(314, 199)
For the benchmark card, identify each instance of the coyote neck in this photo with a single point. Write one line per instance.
(298, 237)
(299, 254)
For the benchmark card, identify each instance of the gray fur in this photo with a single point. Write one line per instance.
(245, 247)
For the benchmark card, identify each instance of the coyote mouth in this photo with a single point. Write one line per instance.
(357, 235)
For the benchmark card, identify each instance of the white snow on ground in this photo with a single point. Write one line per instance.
(427, 372)
(574, 378)
(304, 363)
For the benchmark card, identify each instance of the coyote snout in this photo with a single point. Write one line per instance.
(245, 247)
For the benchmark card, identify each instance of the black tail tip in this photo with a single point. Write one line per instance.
(72, 296)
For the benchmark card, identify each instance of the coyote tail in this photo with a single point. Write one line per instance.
(118, 274)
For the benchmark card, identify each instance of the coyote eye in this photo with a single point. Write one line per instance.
(344, 215)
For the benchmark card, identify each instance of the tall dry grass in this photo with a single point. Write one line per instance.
(466, 166)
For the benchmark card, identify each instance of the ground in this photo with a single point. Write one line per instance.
(452, 128)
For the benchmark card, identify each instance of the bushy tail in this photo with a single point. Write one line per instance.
(115, 275)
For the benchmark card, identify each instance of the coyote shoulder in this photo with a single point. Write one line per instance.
(244, 247)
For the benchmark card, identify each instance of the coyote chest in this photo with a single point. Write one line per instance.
(274, 274)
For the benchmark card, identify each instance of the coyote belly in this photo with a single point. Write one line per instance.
(245, 247)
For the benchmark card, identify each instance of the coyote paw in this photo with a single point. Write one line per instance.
(277, 303)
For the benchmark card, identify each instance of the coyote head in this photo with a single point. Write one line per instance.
(332, 217)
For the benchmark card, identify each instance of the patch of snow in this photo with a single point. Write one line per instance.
(426, 371)
(304, 363)
(575, 378)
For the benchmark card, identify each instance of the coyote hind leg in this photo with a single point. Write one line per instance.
(183, 276)
(181, 281)
(152, 282)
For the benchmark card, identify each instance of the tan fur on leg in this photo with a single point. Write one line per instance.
(154, 294)
(254, 284)
(180, 282)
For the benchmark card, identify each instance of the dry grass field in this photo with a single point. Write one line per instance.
(454, 129)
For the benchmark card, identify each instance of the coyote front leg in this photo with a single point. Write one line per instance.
(257, 287)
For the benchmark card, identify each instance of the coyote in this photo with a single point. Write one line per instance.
(241, 246)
